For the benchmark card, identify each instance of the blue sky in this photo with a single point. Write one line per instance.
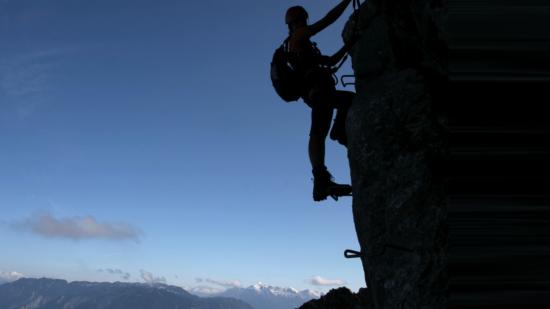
(153, 126)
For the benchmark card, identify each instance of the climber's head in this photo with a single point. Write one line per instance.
(296, 17)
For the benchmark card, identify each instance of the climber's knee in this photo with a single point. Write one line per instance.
(321, 118)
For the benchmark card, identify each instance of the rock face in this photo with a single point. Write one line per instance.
(395, 147)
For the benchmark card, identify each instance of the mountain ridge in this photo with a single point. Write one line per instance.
(45, 293)
(263, 296)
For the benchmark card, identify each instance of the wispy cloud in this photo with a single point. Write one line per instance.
(25, 79)
(148, 277)
(9, 276)
(203, 290)
(223, 283)
(320, 281)
(116, 272)
(77, 228)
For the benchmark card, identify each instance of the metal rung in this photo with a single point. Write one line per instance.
(346, 76)
(352, 254)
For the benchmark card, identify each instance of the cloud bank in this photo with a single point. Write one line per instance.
(320, 281)
(9, 276)
(77, 228)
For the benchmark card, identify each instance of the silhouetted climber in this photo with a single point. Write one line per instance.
(316, 87)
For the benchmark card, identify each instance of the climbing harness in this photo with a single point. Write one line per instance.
(336, 68)
(285, 79)
(356, 5)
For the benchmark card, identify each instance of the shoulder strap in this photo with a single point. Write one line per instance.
(285, 44)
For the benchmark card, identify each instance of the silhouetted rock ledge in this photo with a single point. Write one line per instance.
(341, 298)
(395, 146)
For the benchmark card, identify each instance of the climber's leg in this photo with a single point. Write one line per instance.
(321, 117)
(342, 101)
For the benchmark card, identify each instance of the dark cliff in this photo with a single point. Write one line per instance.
(395, 151)
(396, 147)
(493, 140)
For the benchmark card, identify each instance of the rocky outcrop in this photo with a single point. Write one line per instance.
(395, 149)
(341, 298)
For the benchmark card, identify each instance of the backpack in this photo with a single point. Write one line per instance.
(285, 79)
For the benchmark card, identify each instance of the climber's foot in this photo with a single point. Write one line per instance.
(340, 190)
(322, 190)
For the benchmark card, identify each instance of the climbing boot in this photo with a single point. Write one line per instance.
(323, 186)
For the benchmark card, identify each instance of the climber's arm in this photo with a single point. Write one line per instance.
(330, 18)
(340, 54)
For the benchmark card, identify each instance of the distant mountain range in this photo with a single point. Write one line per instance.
(53, 294)
(263, 296)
